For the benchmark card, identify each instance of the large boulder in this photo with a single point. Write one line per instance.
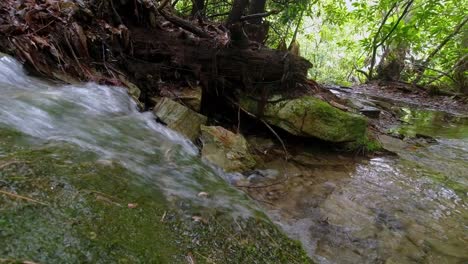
(310, 117)
(179, 118)
(225, 149)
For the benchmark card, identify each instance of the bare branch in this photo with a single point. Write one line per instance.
(184, 24)
(439, 47)
(259, 15)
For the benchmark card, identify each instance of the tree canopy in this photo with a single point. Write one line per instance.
(423, 42)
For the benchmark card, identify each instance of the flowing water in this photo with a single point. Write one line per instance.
(106, 121)
(86, 178)
(410, 208)
(407, 208)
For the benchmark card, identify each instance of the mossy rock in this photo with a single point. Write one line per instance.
(311, 117)
(225, 149)
(179, 118)
(60, 204)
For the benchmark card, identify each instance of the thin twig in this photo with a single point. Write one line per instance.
(21, 197)
(48, 24)
(278, 137)
(259, 15)
(8, 163)
(163, 217)
(286, 153)
(2, 260)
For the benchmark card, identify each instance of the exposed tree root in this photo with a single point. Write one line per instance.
(56, 38)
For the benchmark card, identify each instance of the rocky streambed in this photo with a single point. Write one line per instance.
(86, 177)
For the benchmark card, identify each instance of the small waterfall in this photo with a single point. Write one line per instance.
(105, 120)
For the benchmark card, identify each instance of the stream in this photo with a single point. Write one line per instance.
(406, 208)
(410, 207)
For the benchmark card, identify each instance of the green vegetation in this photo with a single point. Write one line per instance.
(309, 116)
(62, 205)
(352, 41)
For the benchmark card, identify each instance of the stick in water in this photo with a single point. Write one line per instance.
(21, 197)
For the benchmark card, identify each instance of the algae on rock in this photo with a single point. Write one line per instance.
(225, 149)
(179, 118)
(85, 217)
(310, 117)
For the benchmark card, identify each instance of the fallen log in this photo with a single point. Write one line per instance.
(86, 41)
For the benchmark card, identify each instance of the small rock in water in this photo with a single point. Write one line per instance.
(261, 175)
(198, 219)
(225, 149)
(179, 118)
(203, 194)
(371, 112)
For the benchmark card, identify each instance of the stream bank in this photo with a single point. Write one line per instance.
(374, 208)
(86, 177)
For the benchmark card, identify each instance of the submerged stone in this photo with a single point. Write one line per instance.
(311, 117)
(225, 149)
(179, 118)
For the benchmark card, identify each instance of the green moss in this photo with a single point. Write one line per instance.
(80, 213)
(364, 144)
(312, 117)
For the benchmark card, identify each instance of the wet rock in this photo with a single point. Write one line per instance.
(392, 144)
(364, 107)
(310, 117)
(188, 96)
(225, 149)
(132, 89)
(262, 145)
(371, 112)
(256, 176)
(179, 118)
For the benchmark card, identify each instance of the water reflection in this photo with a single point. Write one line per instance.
(410, 208)
(432, 123)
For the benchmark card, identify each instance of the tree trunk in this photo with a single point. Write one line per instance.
(377, 44)
(461, 67)
(429, 58)
(257, 7)
(237, 11)
(198, 8)
(256, 28)
(392, 63)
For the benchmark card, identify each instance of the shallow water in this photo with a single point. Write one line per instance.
(410, 208)
(86, 178)
(106, 121)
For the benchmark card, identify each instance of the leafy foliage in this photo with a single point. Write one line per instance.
(351, 41)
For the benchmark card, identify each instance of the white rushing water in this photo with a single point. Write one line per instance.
(105, 120)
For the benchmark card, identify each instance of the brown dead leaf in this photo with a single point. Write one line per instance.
(42, 42)
(132, 205)
(190, 259)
